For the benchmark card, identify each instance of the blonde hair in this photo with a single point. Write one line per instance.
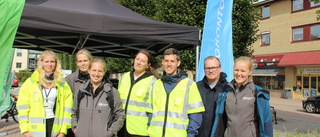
(252, 64)
(42, 73)
(85, 52)
(99, 60)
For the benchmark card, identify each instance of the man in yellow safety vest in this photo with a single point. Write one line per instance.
(176, 104)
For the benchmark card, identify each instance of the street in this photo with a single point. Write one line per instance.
(291, 116)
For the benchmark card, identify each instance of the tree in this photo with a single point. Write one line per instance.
(192, 12)
(118, 65)
(68, 62)
(244, 27)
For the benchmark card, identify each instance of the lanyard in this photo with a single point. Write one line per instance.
(47, 95)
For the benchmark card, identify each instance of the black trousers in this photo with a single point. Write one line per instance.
(49, 125)
(70, 133)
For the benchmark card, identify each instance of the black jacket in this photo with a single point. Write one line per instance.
(209, 98)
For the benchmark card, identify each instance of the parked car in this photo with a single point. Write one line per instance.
(15, 82)
(311, 104)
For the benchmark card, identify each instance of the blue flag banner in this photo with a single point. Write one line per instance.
(217, 36)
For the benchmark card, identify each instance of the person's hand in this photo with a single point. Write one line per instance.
(27, 134)
(60, 135)
(74, 131)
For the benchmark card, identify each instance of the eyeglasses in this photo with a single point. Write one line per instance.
(211, 68)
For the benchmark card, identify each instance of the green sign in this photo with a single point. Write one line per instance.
(10, 14)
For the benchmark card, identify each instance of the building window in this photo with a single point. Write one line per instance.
(18, 65)
(313, 4)
(298, 5)
(315, 31)
(306, 32)
(297, 34)
(265, 39)
(19, 52)
(270, 82)
(265, 12)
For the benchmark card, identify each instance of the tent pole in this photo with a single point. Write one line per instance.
(197, 54)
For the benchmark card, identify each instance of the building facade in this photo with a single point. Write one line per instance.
(20, 60)
(288, 51)
(24, 59)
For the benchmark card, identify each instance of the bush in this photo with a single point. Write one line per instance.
(23, 75)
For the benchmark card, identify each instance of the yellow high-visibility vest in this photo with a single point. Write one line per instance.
(136, 116)
(31, 111)
(170, 111)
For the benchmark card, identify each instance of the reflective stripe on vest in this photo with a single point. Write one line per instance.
(36, 120)
(24, 117)
(21, 107)
(38, 134)
(195, 105)
(136, 103)
(170, 125)
(136, 113)
(60, 121)
(171, 114)
(149, 105)
(67, 109)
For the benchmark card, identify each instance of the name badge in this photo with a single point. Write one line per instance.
(48, 105)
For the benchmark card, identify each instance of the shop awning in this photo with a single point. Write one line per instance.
(270, 60)
(266, 72)
(300, 58)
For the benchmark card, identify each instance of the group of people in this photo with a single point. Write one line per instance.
(145, 104)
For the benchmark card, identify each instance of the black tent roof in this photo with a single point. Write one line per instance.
(104, 27)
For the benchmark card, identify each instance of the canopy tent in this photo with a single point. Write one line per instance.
(104, 27)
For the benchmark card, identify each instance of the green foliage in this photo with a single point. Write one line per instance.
(318, 11)
(72, 63)
(23, 75)
(139, 6)
(188, 60)
(192, 13)
(118, 65)
(184, 12)
(68, 62)
(245, 27)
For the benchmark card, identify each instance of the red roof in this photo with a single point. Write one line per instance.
(300, 58)
(290, 59)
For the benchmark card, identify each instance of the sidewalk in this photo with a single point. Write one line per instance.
(11, 127)
(287, 102)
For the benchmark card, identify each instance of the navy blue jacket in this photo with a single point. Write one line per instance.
(209, 97)
(263, 108)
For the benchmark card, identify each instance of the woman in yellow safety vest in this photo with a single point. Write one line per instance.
(133, 88)
(45, 100)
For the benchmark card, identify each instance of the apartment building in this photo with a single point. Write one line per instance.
(24, 59)
(20, 60)
(288, 51)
